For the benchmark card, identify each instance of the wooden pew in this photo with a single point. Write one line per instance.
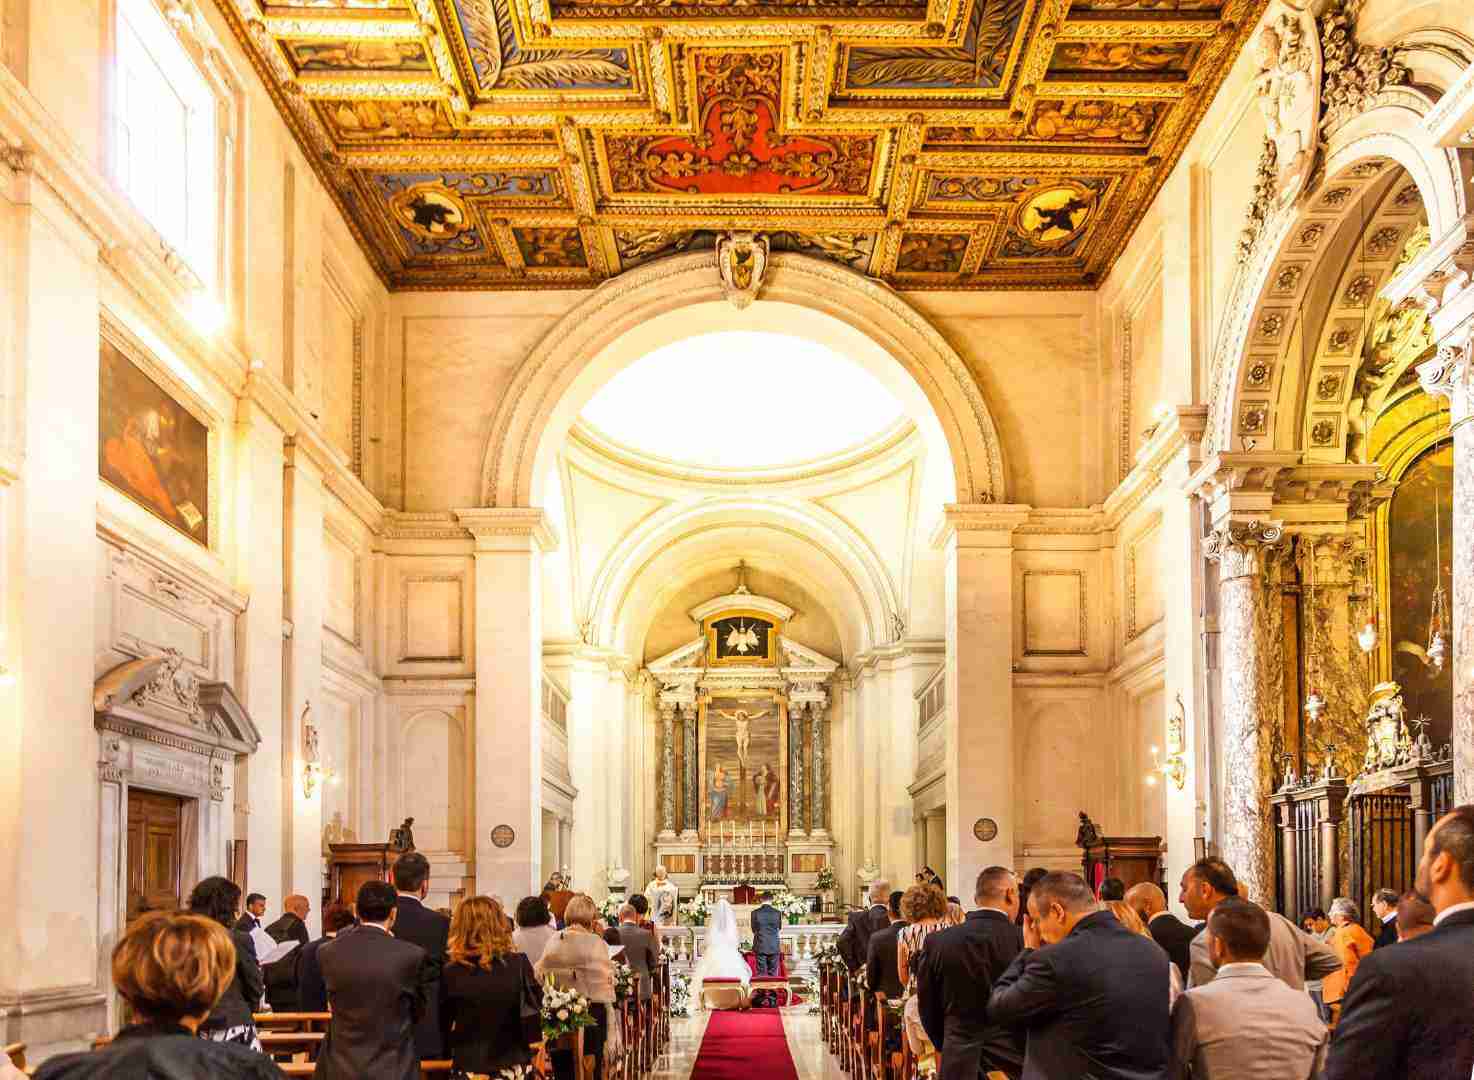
(292, 1021)
(429, 1070)
(16, 1052)
(291, 1045)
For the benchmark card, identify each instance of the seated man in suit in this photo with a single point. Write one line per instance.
(1095, 1002)
(428, 929)
(955, 975)
(882, 954)
(1166, 929)
(641, 949)
(378, 988)
(1245, 1024)
(1407, 1011)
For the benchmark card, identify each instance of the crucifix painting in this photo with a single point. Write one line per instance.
(743, 761)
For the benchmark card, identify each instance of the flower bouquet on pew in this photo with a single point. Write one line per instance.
(624, 982)
(680, 994)
(564, 1012)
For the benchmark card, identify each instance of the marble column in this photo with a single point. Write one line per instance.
(1251, 665)
(689, 782)
(667, 772)
(795, 770)
(818, 822)
(1449, 375)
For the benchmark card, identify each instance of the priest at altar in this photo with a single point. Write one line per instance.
(662, 894)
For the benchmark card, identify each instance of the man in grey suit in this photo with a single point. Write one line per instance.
(640, 950)
(1246, 1024)
(767, 924)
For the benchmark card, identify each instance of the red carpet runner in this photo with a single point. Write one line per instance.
(744, 1046)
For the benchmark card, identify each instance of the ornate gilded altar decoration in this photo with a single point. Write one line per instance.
(742, 260)
(1388, 742)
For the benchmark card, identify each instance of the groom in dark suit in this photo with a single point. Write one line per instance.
(767, 924)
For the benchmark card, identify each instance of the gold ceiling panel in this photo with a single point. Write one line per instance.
(930, 143)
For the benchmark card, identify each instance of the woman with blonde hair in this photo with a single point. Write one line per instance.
(171, 968)
(579, 959)
(1126, 915)
(484, 984)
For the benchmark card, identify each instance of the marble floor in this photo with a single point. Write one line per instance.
(810, 1056)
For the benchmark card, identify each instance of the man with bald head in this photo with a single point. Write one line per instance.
(1167, 929)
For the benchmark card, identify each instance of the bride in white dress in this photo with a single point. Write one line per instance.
(722, 958)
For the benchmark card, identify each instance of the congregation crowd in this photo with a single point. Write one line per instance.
(1049, 979)
(398, 983)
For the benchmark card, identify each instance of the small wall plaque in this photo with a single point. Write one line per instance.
(985, 828)
(503, 836)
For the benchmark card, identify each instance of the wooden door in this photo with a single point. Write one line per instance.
(154, 855)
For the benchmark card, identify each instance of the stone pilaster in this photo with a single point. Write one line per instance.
(795, 770)
(818, 755)
(1330, 575)
(1252, 673)
(690, 821)
(667, 772)
(1448, 375)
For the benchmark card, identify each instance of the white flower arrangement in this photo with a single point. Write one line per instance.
(564, 1011)
(792, 906)
(825, 881)
(609, 908)
(624, 982)
(696, 910)
(680, 994)
(828, 955)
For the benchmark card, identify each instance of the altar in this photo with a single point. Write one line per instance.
(744, 753)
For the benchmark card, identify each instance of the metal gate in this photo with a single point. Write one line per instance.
(1383, 854)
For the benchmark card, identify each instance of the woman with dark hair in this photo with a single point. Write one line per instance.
(171, 968)
(534, 928)
(231, 1019)
(312, 992)
(482, 990)
(1030, 879)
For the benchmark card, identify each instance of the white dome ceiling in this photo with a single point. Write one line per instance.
(740, 400)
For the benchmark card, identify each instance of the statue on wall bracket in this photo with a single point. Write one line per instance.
(742, 262)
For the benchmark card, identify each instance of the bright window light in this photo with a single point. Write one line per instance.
(742, 400)
(165, 158)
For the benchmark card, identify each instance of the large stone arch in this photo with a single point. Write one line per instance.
(1271, 288)
(533, 406)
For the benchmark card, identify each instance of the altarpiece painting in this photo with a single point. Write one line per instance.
(744, 771)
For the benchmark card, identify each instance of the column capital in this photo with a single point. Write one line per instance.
(1447, 375)
(1240, 547)
(511, 528)
(979, 525)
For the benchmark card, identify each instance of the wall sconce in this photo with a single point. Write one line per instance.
(1174, 768)
(311, 758)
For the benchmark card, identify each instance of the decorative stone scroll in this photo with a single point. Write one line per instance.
(742, 261)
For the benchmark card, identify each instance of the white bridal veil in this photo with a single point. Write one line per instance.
(722, 957)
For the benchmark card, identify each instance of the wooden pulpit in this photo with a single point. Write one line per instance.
(350, 865)
(1133, 859)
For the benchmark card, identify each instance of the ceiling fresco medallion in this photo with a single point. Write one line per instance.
(929, 143)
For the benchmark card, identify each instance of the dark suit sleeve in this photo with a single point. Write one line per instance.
(424, 984)
(930, 990)
(253, 985)
(848, 946)
(312, 995)
(872, 962)
(1028, 991)
(300, 933)
(653, 950)
(1369, 1041)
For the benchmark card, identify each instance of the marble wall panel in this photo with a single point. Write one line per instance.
(1054, 613)
(431, 613)
(433, 775)
(342, 570)
(342, 342)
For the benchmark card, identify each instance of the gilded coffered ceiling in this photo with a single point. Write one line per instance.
(930, 143)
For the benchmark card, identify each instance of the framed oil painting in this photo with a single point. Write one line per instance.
(1413, 571)
(744, 764)
(151, 448)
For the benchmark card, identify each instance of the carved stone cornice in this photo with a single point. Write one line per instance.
(1182, 430)
(1241, 548)
(508, 528)
(1253, 486)
(1451, 121)
(979, 524)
